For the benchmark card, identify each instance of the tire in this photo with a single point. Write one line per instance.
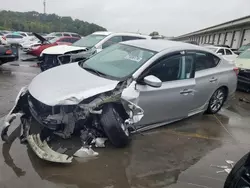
(217, 101)
(234, 179)
(112, 124)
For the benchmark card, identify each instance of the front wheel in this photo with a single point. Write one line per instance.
(217, 100)
(114, 126)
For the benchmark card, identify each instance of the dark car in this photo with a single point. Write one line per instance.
(8, 53)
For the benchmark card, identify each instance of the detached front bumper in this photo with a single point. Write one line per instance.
(41, 148)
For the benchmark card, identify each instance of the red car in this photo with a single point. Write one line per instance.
(37, 50)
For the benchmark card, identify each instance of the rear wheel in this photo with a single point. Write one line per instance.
(114, 126)
(217, 100)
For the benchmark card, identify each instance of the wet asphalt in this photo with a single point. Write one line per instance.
(181, 154)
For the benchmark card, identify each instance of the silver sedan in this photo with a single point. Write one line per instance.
(130, 86)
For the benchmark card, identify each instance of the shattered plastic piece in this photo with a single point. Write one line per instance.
(85, 152)
(222, 167)
(244, 100)
(228, 170)
(100, 142)
(43, 151)
(230, 162)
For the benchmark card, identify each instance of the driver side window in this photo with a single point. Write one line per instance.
(111, 41)
(174, 68)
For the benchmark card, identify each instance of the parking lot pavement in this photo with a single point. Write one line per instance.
(178, 155)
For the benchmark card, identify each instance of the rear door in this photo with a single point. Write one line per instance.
(173, 100)
(206, 78)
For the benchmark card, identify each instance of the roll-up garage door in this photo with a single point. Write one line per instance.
(207, 38)
(211, 38)
(229, 38)
(222, 38)
(236, 40)
(246, 38)
(216, 38)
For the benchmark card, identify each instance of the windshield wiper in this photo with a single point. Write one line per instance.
(95, 71)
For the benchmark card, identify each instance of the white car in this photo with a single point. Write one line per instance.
(90, 44)
(33, 42)
(15, 38)
(226, 53)
(24, 34)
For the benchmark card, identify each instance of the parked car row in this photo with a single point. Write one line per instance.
(83, 48)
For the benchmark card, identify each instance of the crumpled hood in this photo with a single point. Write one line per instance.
(68, 85)
(62, 49)
(243, 63)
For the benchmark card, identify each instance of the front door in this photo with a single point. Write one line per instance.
(173, 99)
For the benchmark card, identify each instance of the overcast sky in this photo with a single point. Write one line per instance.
(169, 17)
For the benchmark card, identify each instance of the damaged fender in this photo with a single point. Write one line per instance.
(129, 99)
(125, 94)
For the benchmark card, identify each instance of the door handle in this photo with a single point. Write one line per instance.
(186, 91)
(213, 79)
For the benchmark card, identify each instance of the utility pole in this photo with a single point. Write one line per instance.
(44, 6)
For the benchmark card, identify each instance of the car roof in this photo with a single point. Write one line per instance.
(102, 33)
(119, 33)
(160, 45)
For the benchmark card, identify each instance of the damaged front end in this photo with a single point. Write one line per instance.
(107, 115)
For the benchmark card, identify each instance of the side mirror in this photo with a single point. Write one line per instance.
(219, 53)
(152, 81)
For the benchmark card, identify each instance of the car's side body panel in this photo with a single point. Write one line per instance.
(170, 102)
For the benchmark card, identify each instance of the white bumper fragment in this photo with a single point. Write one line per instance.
(43, 151)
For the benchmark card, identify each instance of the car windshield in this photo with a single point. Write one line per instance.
(212, 49)
(118, 61)
(245, 55)
(89, 41)
(243, 48)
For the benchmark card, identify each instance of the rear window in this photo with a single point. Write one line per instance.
(23, 34)
(126, 38)
(245, 55)
(212, 49)
(58, 34)
(75, 35)
(205, 60)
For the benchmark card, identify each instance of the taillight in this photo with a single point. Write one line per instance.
(4, 38)
(236, 70)
(8, 52)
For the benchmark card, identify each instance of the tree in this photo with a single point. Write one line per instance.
(154, 33)
(37, 22)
